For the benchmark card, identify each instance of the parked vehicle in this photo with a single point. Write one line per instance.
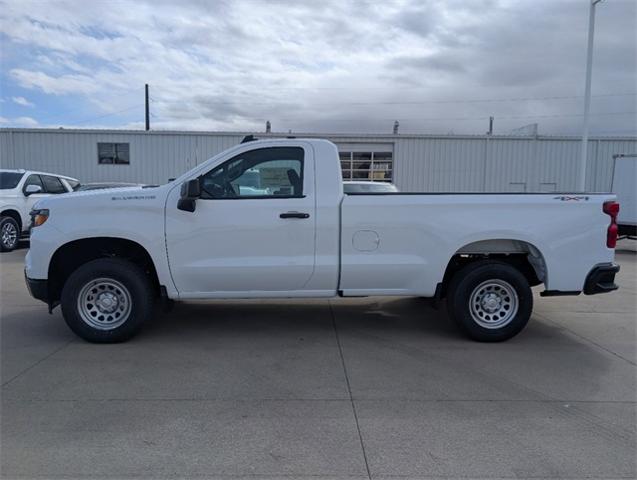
(625, 187)
(100, 186)
(368, 187)
(19, 190)
(106, 257)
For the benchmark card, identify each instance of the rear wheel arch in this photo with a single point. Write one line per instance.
(523, 255)
(72, 255)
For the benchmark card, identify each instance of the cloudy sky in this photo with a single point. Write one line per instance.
(317, 66)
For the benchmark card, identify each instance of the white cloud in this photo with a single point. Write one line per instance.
(337, 66)
(22, 101)
(24, 122)
(63, 84)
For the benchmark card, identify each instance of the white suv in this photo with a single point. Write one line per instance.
(19, 190)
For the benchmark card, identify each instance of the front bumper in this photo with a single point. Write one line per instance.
(39, 289)
(601, 279)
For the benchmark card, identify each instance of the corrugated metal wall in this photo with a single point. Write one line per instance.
(421, 162)
(154, 157)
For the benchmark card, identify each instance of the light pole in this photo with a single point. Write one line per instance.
(581, 184)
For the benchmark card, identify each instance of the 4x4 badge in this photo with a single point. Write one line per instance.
(571, 199)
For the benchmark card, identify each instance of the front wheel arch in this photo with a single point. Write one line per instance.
(9, 234)
(13, 214)
(72, 255)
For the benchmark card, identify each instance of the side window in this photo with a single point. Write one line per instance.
(53, 184)
(32, 180)
(265, 173)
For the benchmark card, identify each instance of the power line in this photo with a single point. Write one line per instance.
(491, 100)
(106, 115)
(66, 112)
(419, 102)
(434, 119)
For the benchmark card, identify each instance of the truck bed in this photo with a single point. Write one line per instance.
(400, 243)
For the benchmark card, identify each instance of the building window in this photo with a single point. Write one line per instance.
(113, 153)
(370, 166)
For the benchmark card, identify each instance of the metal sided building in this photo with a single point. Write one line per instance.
(428, 163)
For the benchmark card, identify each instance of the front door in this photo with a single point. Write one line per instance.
(252, 230)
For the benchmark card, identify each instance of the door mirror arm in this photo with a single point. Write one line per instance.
(190, 192)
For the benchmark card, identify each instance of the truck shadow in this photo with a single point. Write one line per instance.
(409, 317)
(302, 317)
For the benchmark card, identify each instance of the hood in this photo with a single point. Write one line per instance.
(95, 197)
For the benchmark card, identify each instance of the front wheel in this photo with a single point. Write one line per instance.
(107, 300)
(9, 234)
(490, 301)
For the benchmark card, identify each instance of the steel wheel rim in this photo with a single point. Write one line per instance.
(104, 304)
(9, 234)
(493, 304)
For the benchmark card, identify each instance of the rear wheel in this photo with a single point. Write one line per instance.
(490, 301)
(107, 300)
(9, 234)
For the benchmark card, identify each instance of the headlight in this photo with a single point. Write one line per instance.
(39, 216)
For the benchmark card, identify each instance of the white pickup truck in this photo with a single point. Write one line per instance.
(269, 219)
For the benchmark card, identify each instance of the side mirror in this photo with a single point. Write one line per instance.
(191, 189)
(190, 192)
(31, 189)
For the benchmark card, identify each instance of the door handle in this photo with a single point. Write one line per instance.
(294, 215)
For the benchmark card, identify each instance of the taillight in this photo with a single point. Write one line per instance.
(611, 209)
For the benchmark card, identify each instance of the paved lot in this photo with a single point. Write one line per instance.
(380, 388)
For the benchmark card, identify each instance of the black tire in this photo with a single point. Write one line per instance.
(9, 234)
(126, 279)
(484, 278)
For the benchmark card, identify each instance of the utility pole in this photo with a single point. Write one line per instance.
(147, 109)
(490, 132)
(581, 184)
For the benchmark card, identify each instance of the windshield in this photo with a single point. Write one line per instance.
(9, 180)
